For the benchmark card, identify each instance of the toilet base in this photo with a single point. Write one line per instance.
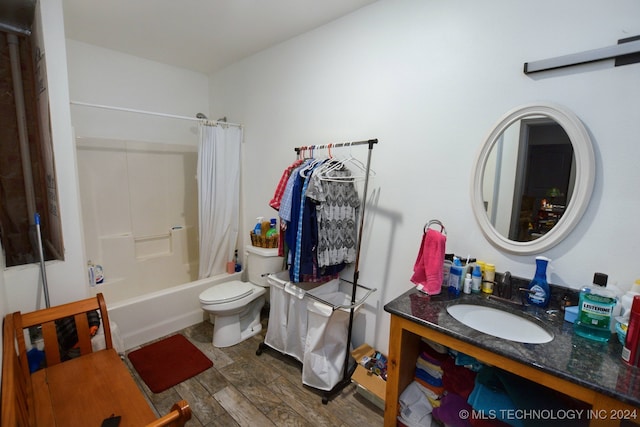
(232, 329)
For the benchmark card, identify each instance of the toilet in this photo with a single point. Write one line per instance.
(234, 307)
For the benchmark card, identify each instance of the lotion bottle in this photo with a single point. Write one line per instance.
(467, 284)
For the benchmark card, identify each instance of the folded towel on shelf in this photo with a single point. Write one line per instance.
(427, 271)
(415, 409)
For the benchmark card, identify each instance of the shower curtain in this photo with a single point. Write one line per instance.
(218, 196)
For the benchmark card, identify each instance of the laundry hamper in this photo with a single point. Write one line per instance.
(326, 344)
(287, 330)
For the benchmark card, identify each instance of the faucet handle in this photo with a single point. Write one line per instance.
(505, 285)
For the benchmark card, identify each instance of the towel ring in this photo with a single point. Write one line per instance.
(435, 222)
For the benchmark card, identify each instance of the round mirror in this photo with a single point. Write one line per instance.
(533, 178)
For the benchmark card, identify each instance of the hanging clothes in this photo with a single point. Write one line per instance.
(337, 216)
(319, 216)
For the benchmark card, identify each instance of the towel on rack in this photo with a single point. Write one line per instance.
(427, 271)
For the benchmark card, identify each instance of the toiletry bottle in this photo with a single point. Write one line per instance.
(630, 350)
(476, 280)
(489, 278)
(595, 309)
(467, 284)
(446, 269)
(92, 273)
(257, 230)
(272, 228)
(539, 287)
(454, 277)
(238, 266)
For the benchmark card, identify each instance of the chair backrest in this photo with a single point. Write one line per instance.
(17, 395)
(48, 318)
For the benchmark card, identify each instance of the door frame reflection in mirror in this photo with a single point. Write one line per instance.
(584, 177)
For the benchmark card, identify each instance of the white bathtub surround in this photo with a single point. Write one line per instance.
(148, 317)
(218, 195)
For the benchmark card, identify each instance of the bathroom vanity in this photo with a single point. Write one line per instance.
(583, 369)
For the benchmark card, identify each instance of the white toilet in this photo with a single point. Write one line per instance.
(234, 307)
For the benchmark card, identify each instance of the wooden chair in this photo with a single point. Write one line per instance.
(17, 396)
(47, 319)
(180, 413)
(22, 404)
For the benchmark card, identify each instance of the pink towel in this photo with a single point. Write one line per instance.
(427, 271)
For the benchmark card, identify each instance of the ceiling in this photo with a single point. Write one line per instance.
(200, 35)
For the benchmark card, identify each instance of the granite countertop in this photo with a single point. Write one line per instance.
(597, 366)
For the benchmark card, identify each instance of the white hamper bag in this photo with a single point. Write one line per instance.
(326, 345)
(287, 330)
(279, 306)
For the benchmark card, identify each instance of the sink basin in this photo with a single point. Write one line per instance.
(499, 323)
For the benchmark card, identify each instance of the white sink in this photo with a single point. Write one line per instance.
(498, 323)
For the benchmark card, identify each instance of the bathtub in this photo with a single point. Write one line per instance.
(147, 317)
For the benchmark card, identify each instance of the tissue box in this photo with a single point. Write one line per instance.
(374, 386)
(571, 313)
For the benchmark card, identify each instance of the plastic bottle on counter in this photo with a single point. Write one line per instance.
(446, 270)
(455, 276)
(630, 351)
(467, 284)
(539, 291)
(489, 278)
(595, 309)
(476, 280)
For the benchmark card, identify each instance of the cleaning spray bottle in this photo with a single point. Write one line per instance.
(257, 230)
(539, 291)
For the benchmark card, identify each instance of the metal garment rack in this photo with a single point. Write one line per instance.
(347, 370)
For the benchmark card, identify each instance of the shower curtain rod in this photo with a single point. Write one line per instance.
(337, 144)
(151, 113)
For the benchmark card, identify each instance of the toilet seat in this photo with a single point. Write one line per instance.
(226, 292)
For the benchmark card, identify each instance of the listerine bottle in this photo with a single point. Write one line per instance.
(595, 310)
(539, 292)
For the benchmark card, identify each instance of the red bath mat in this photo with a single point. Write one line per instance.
(170, 361)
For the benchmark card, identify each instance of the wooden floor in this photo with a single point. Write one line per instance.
(243, 389)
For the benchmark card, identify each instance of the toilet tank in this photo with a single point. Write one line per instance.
(262, 261)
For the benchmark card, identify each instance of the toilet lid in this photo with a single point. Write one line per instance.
(226, 292)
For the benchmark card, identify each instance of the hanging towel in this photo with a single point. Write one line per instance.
(427, 271)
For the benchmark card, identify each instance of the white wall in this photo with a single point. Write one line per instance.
(105, 77)
(430, 79)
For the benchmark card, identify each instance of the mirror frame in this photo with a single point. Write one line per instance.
(585, 178)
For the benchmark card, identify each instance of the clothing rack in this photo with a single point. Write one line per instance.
(347, 371)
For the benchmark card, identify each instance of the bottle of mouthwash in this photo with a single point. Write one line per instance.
(539, 287)
(595, 310)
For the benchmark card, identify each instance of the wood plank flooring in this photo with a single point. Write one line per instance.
(243, 389)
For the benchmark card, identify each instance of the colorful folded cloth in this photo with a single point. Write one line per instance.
(433, 370)
(457, 379)
(425, 376)
(452, 411)
(432, 396)
(437, 390)
(494, 402)
(415, 409)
